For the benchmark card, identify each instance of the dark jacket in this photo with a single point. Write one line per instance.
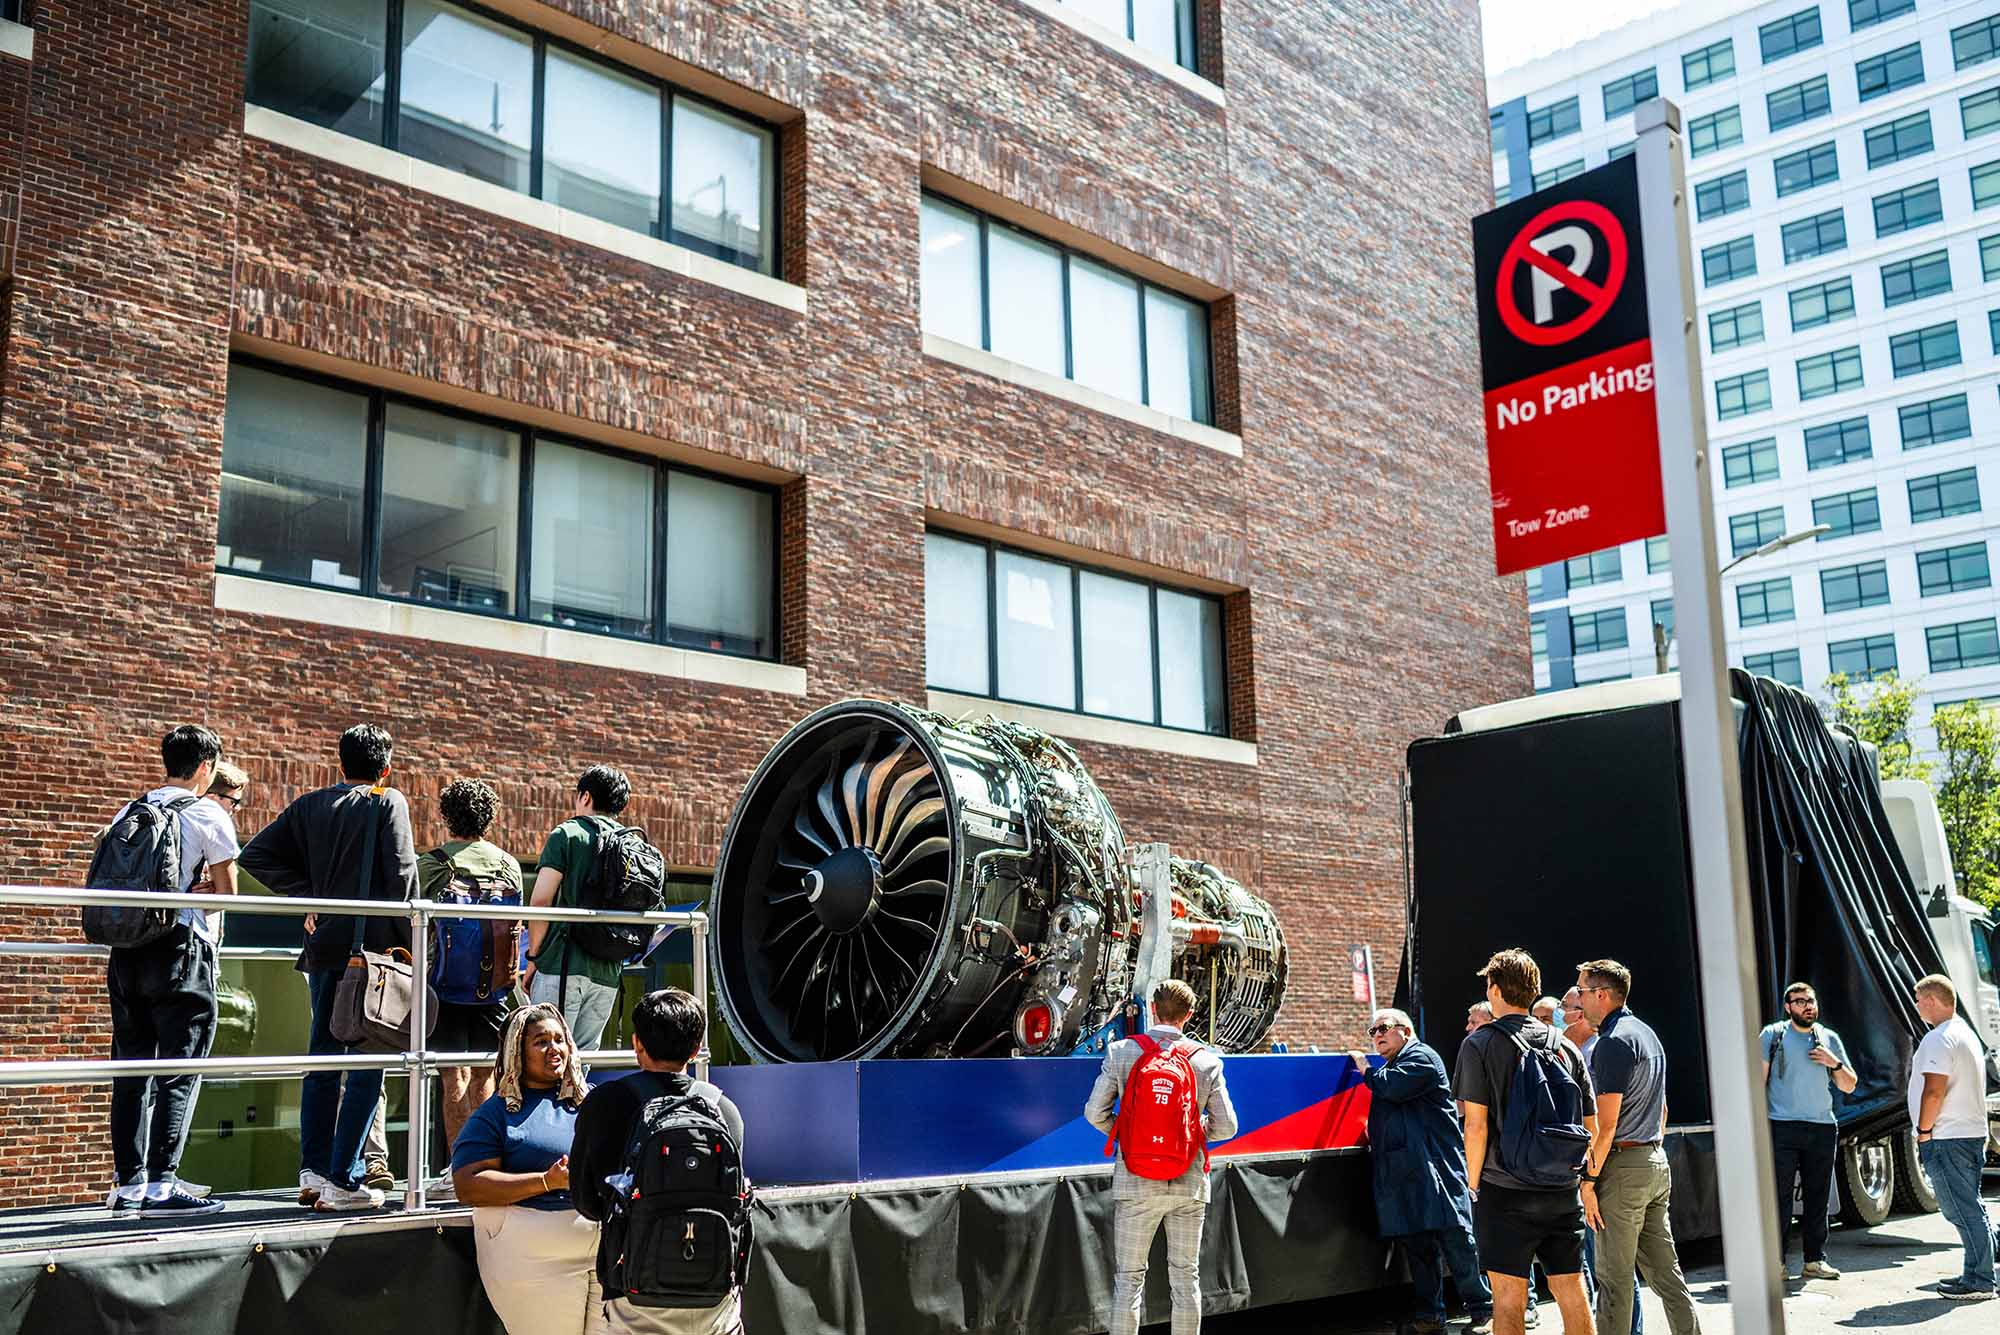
(314, 849)
(1417, 1146)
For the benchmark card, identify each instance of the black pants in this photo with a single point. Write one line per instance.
(163, 1006)
(1806, 1150)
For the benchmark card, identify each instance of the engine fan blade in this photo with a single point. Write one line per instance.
(771, 939)
(803, 827)
(872, 803)
(913, 821)
(825, 799)
(927, 887)
(917, 852)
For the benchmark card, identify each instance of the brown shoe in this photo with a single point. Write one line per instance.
(378, 1176)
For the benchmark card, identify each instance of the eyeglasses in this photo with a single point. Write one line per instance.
(233, 799)
(1378, 1030)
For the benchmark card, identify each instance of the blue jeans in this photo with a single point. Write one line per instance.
(1429, 1256)
(335, 1107)
(1590, 1281)
(1954, 1167)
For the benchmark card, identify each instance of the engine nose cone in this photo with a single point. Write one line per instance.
(843, 888)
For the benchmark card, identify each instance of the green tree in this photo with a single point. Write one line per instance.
(1968, 796)
(1879, 713)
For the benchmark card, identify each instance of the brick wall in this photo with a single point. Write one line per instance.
(154, 233)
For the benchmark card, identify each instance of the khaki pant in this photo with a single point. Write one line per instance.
(1632, 1194)
(539, 1268)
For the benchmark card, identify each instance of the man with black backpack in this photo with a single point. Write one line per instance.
(658, 1161)
(1529, 1115)
(161, 975)
(1171, 1105)
(1627, 1186)
(591, 861)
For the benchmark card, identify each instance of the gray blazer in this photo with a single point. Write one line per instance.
(1218, 1118)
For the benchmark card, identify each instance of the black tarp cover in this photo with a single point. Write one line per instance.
(1013, 1255)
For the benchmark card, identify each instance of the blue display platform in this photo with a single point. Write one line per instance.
(876, 1120)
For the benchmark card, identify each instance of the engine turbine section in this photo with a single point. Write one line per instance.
(1229, 949)
(894, 883)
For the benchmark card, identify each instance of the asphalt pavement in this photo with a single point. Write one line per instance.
(1889, 1276)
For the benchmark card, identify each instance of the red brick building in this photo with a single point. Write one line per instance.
(576, 381)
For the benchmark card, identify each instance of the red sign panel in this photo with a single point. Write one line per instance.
(1572, 445)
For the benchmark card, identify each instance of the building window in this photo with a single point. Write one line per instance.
(1904, 137)
(1958, 569)
(1798, 103)
(1862, 659)
(1624, 150)
(1836, 443)
(989, 285)
(1013, 626)
(1765, 602)
(1600, 567)
(1846, 588)
(1979, 112)
(1847, 514)
(1737, 327)
(1789, 35)
(1931, 348)
(1547, 124)
(1657, 556)
(1985, 184)
(1752, 462)
(1780, 665)
(1663, 617)
(1878, 76)
(1722, 195)
(1934, 422)
(1729, 260)
(1821, 234)
(1809, 167)
(1822, 303)
(1829, 373)
(1590, 632)
(1705, 66)
(1741, 395)
(1943, 495)
(1715, 131)
(446, 515)
(1561, 172)
(1916, 278)
(1964, 644)
(1621, 95)
(1976, 42)
(1748, 532)
(1163, 27)
(1912, 206)
(1866, 13)
(1993, 329)
(1989, 257)
(1538, 637)
(1538, 584)
(510, 106)
(1496, 130)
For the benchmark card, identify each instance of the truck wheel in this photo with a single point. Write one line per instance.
(1867, 1182)
(1914, 1193)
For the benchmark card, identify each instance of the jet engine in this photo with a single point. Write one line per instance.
(896, 883)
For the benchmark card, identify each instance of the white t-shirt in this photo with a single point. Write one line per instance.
(208, 836)
(1953, 1051)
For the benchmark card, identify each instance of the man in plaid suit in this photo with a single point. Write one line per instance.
(1141, 1204)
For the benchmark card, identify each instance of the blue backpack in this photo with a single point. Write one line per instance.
(1542, 1140)
(474, 961)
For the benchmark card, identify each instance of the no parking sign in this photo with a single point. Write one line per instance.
(1572, 443)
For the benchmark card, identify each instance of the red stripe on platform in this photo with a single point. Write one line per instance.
(1332, 1123)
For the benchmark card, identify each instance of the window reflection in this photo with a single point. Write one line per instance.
(1037, 631)
(294, 470)
(601, 143)
(722, 186)
(450, 502)
(592, 551)
(321, 61)
(467, 94)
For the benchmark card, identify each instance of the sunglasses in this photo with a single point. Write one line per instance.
(1378, 1030)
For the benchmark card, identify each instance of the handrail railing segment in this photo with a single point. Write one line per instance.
(417, 1061)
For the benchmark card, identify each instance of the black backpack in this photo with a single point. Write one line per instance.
(1542, 1140)
(629, 875)
(141, 851)
(678, 1230)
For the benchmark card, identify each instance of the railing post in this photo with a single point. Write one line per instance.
(701, 992)
(419, 1067)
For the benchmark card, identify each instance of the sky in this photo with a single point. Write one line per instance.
(1520, 30)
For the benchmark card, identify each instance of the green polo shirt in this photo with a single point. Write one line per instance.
(571, 848)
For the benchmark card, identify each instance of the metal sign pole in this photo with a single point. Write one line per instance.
(1730, 1004)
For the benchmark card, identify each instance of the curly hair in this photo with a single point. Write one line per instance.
(513, 1057)
(468, 807)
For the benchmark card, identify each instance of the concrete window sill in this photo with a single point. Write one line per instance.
(17, 40)
(353, 611)
(374, 160)
(1069, 17)
(976, 359)
(1106, 731)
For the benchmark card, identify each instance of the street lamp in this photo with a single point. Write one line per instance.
(1777, 544)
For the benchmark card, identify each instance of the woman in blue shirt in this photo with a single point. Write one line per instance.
(537, 1256)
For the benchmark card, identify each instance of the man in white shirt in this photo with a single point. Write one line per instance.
(163, 994)
(1948, 1109)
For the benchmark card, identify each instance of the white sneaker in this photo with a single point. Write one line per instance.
(333, 1196)
(195, 1189)
(311, 1184)
(441, 1189)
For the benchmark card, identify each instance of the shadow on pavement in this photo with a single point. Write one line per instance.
(1909, 1312)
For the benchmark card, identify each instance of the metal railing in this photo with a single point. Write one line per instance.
(417, 1062)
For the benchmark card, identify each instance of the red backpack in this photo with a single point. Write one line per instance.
(1159, 1118)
